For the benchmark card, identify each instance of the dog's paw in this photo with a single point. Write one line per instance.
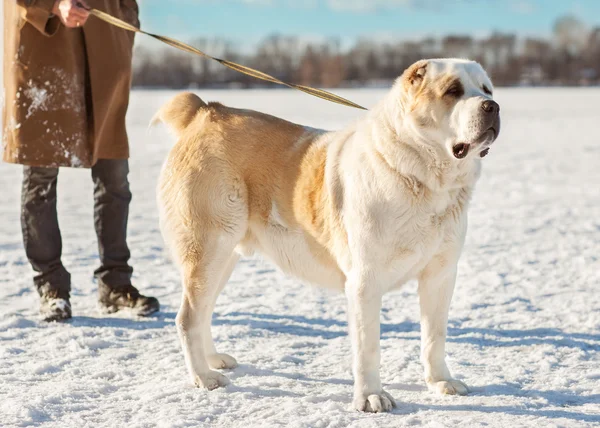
(211, 380)
(221, 361)
(448, 387)
(374, 403)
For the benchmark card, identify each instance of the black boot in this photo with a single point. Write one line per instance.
(54, 305)
(112, 300)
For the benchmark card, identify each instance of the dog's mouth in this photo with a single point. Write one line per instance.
(461, 150)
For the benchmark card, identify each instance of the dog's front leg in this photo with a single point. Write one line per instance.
(364, 306)
(435, 293)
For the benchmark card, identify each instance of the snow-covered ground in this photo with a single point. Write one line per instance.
(524, 325)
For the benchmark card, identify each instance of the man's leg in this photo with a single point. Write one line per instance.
(42, 241)
(111, 210)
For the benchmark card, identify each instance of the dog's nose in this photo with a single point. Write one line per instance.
(490, 106)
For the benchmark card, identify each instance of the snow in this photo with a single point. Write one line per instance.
(38, 97)
(524, 327)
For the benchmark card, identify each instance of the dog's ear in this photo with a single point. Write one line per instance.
(415, 75)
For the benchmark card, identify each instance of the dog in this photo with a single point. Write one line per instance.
(362, 210)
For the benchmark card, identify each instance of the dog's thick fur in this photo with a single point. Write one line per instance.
(363, 210)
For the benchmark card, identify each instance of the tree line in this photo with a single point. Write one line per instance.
(570, 56)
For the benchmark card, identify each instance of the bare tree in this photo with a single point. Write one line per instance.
(570, 57)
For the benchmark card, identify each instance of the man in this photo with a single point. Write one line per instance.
(67, 85)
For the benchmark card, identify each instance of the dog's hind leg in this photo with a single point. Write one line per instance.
(204, 268)
(215, 359)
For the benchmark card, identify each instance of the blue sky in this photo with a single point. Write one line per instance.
(250, 20)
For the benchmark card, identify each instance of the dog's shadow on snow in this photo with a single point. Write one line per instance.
(329, 328)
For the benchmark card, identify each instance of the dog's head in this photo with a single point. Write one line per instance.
(450, 102)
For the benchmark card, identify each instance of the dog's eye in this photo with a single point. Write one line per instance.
(455, 91)
(487, 90)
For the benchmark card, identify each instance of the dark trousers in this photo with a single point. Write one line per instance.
(41, 233)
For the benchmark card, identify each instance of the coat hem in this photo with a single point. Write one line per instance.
(46, 164)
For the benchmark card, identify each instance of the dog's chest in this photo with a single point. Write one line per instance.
(424, 233)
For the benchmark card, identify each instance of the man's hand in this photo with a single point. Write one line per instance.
(72, 13)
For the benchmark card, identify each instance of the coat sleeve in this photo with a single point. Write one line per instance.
(131, 12)
(39, 14)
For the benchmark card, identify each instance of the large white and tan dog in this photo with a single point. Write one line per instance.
(363, 210)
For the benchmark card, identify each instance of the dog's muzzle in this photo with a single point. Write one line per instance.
(491, 118)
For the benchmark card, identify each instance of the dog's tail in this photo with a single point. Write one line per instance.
(178, 113)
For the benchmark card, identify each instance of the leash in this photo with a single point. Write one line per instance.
(232, 65)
